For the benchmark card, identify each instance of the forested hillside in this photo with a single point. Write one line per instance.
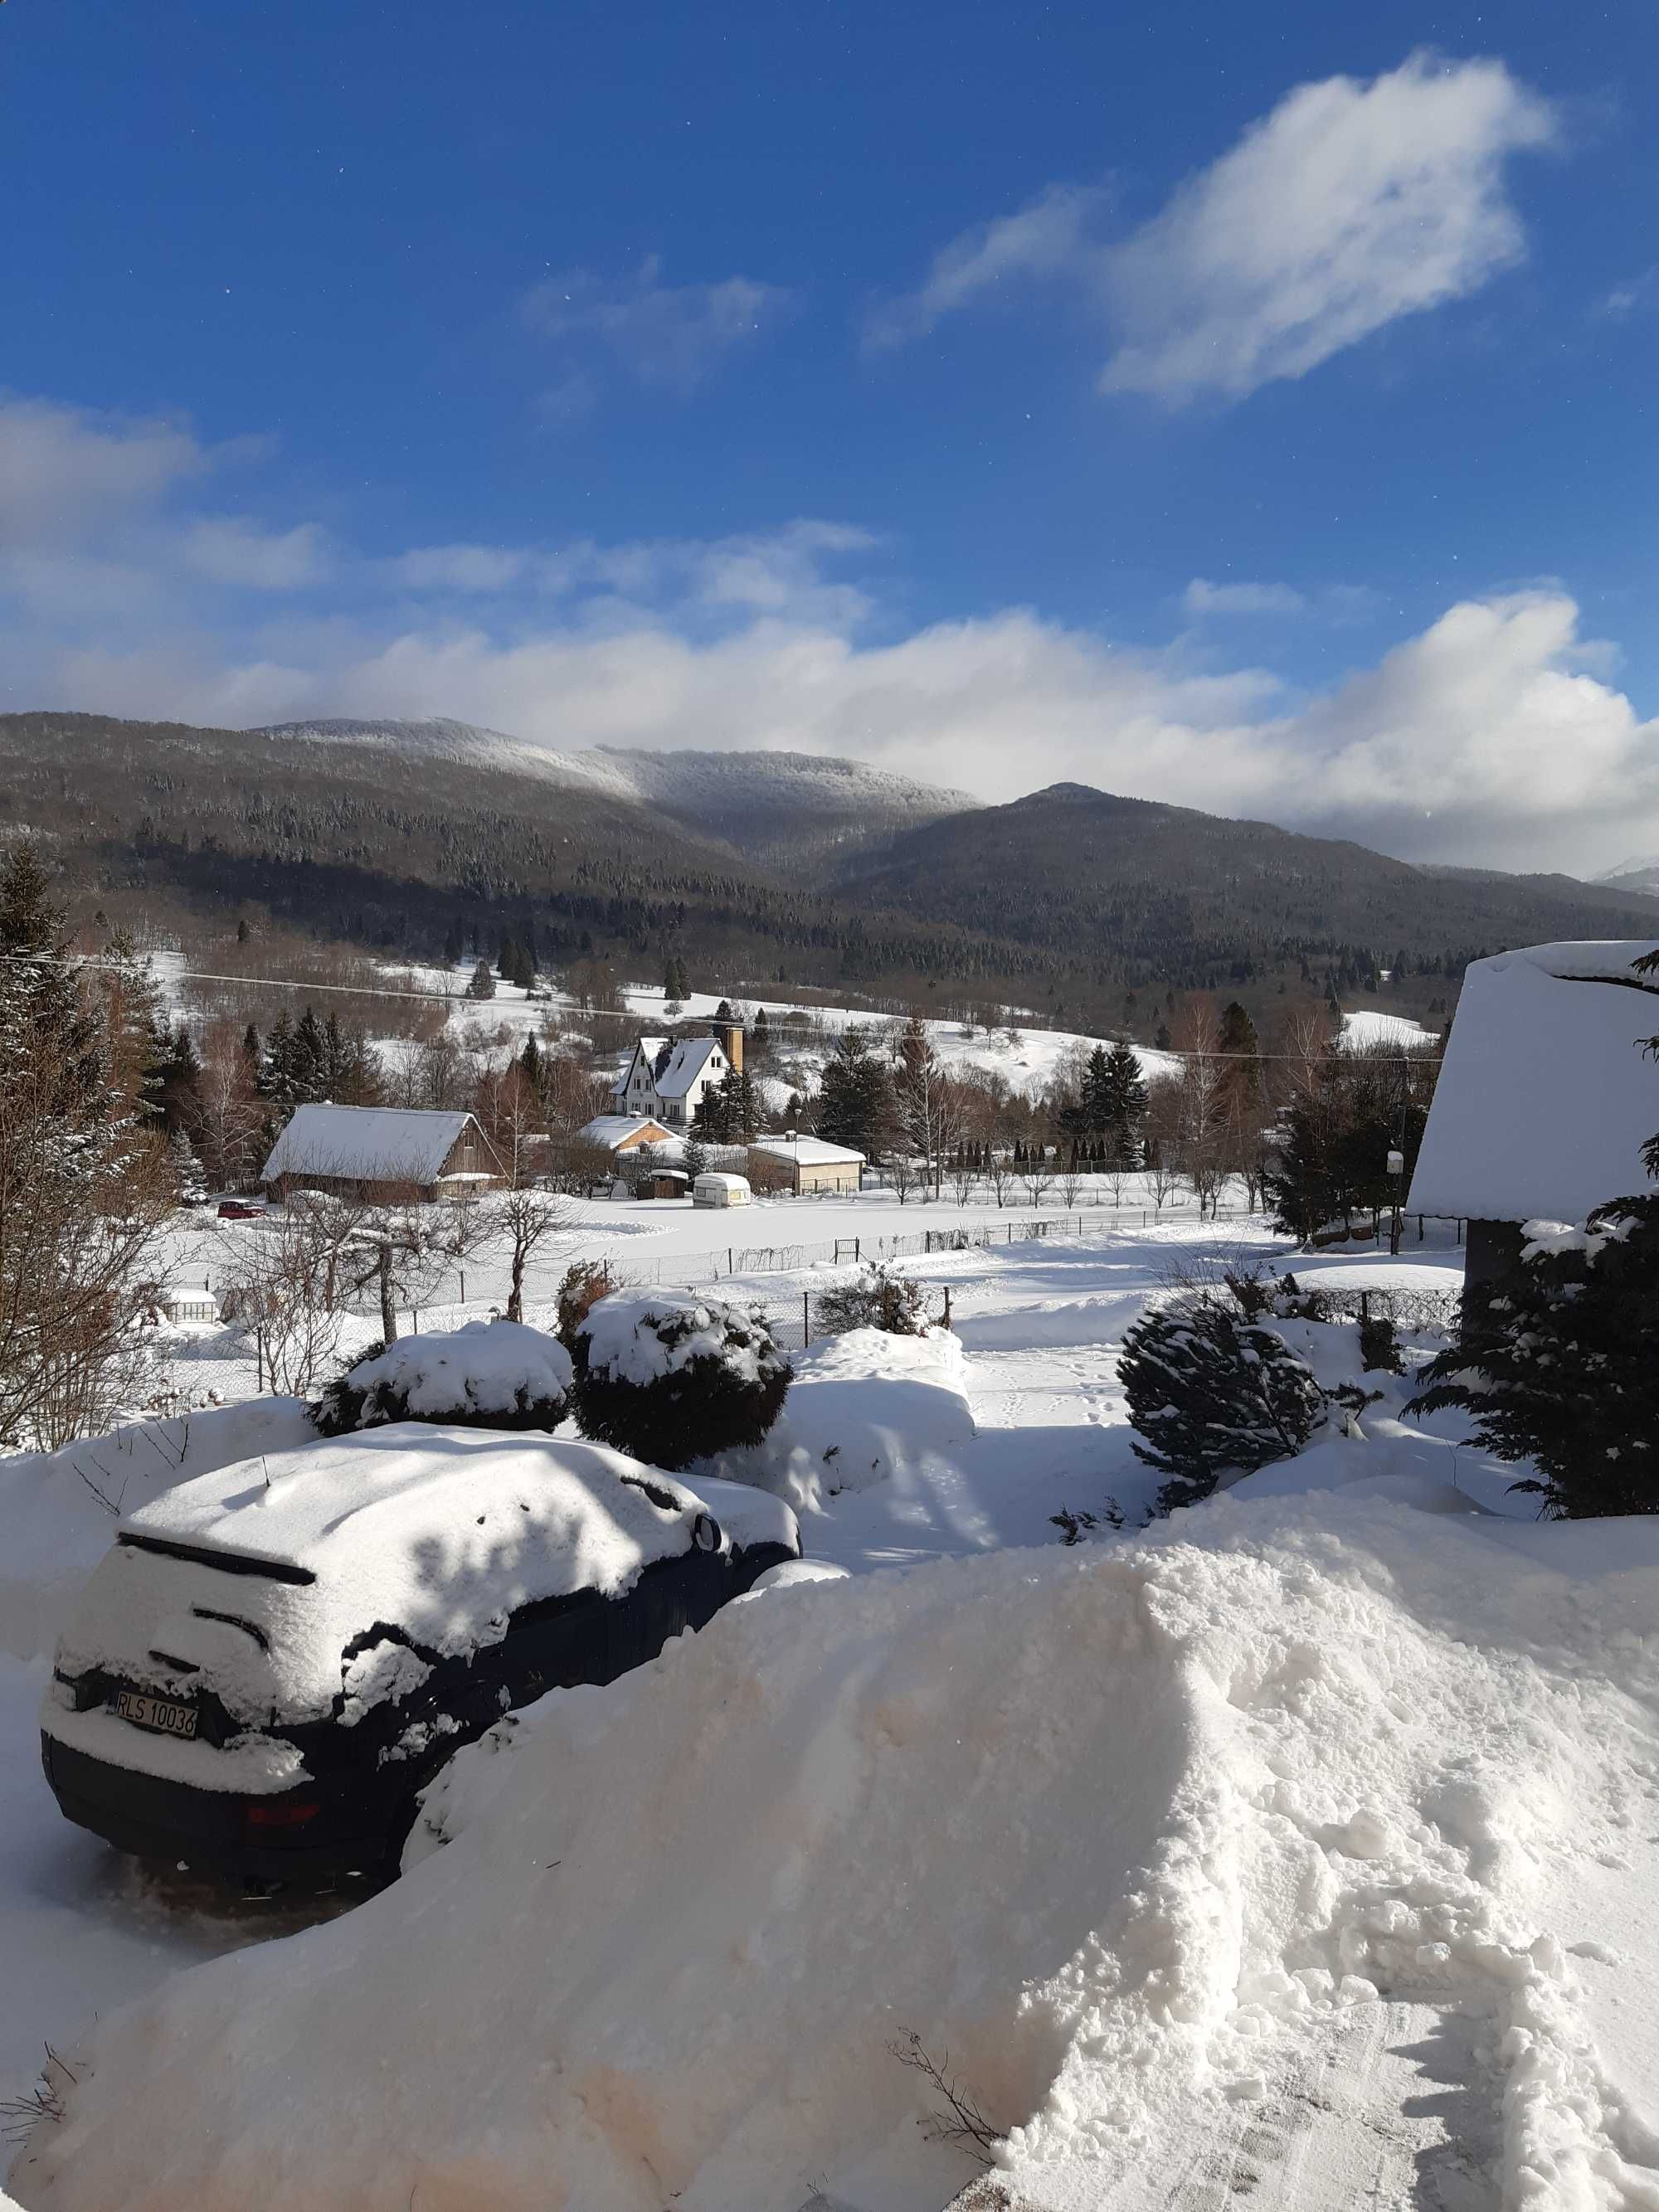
(1080, 905)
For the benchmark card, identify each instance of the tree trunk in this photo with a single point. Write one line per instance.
(388, 1303)
(515, 1294)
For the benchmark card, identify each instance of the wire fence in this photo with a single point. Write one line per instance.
(216, 1369)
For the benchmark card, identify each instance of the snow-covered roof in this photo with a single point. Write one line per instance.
(439, 1532)
(689, 1057)
(811, 1152)
(378, 1143)
(715, 1180)
(1544, 1098)
(647, 1047)
(616, 1130)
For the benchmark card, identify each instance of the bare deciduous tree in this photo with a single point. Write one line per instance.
(528, 1219)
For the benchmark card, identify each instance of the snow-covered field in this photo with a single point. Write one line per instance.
(1304, 1846)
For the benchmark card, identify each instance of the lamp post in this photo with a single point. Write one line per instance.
(1396, 1170)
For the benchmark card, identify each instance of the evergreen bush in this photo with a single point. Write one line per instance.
(1557, 1363)
(484, 1374)
(1210, 1392)
(673, 1376)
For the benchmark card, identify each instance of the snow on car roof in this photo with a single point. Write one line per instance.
(435, 1535)
(1545, 1097)
(393, 1492)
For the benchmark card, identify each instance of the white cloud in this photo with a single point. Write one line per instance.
(1637, 292)
(1203, 598)
(1353, 203)
(1497, 735)
(65, 469)
(1349, 205)
(666, 335)
(229, 549)
(1047, 238)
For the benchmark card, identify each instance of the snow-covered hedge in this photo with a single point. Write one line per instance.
(485, 1374)
(673, 1377)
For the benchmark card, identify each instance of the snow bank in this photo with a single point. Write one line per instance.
(59, 1509)
(467, 1374)
(1101, 1318)
(861, 1408)
(1140, 1834)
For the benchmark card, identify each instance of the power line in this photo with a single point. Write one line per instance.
(775, 1024)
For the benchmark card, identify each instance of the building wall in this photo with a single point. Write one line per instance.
(829, 1174)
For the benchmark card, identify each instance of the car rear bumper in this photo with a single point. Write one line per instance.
(208, 1829)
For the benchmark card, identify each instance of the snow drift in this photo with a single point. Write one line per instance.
(862, 1407)
(1134, 1833)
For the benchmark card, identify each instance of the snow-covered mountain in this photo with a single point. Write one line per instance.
(769, 805)
(1641, 874)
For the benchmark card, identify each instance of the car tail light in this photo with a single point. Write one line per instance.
(277, 1812)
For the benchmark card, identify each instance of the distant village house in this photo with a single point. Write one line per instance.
(382, 1154)
(666, 1077)
(811, 1164)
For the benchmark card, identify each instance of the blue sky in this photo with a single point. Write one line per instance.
(1248, 410)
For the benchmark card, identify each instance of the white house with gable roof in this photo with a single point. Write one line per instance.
(666, 1077)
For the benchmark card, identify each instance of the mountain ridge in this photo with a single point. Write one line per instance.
(1092, 905)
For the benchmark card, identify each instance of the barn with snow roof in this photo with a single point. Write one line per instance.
(382, 1153)
(1545, 1096)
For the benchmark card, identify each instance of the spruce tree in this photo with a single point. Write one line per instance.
(1555, 1362)
(1124, 1102)
(856, 1104)
(1210, 1392)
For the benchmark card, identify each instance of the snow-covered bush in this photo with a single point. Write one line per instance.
(486, 1374)
(673, 1376)
(1209, 1392)
(877, 1298)
(1557, 1362)
(586, 1282)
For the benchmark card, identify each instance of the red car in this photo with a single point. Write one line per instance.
(240, 1209)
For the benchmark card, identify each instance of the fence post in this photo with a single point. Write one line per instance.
(805, 1320)
(1365, 1305)
(730, 1269)
(857, 1257)
(947, 1305)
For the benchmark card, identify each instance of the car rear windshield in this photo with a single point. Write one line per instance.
(226, 1563)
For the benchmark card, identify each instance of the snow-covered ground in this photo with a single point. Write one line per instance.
(1305, 1846)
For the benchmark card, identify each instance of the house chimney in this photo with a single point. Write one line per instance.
(731, 1037)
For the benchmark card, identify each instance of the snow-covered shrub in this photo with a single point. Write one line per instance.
(877, 1298)
(1208, 1392)
(486, 1374)
(1557, 1362)
(673, 1376)
(586, 1282)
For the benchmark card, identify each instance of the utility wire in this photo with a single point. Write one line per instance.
(775, 1025)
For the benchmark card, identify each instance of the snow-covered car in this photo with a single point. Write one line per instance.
(273, 1659)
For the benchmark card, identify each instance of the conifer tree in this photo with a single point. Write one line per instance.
(1124, 1105)
(1210, 1392)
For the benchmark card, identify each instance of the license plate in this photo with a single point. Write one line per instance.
(167, 1716)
